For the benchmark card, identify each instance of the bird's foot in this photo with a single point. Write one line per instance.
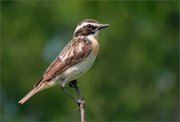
(80, 103)
(73, 83)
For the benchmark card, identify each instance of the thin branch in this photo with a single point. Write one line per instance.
(82, 110)
(80, 101)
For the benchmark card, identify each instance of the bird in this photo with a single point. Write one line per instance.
(74, 60)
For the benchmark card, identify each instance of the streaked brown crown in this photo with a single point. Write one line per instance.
(89, 20)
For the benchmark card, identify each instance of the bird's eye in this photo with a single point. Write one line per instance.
(89, 26)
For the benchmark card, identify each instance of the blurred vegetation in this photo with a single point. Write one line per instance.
(135, 76)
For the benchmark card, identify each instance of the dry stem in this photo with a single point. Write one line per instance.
(82, 110)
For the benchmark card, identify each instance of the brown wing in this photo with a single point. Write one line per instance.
(73, 53)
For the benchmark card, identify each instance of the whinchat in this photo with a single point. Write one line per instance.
(74, 60)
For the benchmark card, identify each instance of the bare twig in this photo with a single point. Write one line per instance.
(80, 101)
(82, 110)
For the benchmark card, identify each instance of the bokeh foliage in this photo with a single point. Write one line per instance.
(135, 76)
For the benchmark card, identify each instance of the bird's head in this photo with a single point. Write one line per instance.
(88, 27)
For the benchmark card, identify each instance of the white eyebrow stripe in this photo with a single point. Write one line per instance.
(84, 24)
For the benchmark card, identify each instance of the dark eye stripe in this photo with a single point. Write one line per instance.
(93, 27)
(90, 26)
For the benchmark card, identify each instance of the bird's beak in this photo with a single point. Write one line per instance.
(103, 26)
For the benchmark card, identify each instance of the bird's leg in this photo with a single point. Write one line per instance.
(68, 93)
(73, 84)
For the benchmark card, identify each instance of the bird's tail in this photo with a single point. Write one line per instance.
(30, 94)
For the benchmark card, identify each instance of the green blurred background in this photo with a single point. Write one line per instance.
(135, 76)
